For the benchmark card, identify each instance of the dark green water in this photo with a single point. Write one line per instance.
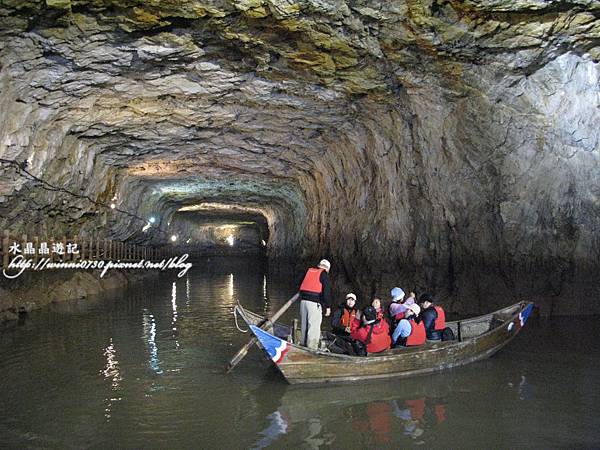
(143, 368)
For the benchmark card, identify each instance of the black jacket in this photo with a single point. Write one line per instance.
(429, 316)
(336, 319)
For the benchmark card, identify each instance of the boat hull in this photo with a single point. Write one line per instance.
(301, 365)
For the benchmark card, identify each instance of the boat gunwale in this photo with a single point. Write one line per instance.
(402, 351)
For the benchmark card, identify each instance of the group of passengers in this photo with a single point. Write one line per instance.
(407, 322)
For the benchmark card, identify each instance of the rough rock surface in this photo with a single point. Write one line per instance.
(445, 144)
(34, 290)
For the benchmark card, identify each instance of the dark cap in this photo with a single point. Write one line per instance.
(426, 297)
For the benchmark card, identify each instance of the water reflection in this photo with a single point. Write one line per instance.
(278, 425)
(418, 414)
(174, 317)
(230, 289)
(525, 389)
(396, 413)
(111, 372)
(149, 326)
(187, 291)
(374, 418)
(265, 298)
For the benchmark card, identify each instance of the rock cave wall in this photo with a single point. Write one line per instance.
(441, 145)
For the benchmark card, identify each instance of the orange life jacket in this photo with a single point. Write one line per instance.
(440, 322)
(347, 317)
(312, 282)
(417, 334)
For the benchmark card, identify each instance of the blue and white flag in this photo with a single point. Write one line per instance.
(520, 321)
(524, 315)
(275, 347)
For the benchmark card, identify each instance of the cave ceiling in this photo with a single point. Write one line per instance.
(319, 115)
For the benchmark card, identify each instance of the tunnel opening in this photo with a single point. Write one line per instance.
(202, 233)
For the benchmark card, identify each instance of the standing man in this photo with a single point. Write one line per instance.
(315, 294)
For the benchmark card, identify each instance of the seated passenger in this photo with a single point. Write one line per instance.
(342, 318)
(399, 303)
(374, 333)
(376, 303)
(434, 317)
(410, 330)
(396, 306)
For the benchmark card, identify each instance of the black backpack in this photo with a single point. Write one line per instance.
(359, 348)
(448, 334)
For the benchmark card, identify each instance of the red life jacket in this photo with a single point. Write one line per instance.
(380, 337)
(398, 317)
(312, 282)
(440, 322)
(417, 334)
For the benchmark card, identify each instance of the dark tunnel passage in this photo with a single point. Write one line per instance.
(219, 233)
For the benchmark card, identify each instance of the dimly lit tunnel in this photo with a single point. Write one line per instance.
(442, 146)
(463, 160)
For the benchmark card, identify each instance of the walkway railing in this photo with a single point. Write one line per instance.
(77, 249)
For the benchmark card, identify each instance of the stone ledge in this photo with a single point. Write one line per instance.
(36, 290)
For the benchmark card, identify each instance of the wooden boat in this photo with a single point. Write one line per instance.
(476, 338)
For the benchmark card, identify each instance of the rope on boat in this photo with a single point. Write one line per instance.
(236, 321)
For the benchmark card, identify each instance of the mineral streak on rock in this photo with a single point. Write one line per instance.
(445, 144)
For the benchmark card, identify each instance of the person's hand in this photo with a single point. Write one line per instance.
(347, 329)
(327, 312)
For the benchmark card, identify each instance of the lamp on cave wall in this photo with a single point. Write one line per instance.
(152, 219)
(230, 240)
(173, 238)
(113, 206)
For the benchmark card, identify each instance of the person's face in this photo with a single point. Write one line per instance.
(376, 303)
(350, 302)
(426, 304)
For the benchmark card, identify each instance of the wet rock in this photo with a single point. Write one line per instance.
(6, 316)
(450, 146)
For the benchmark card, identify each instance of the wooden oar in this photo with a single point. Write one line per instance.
(244, 350)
